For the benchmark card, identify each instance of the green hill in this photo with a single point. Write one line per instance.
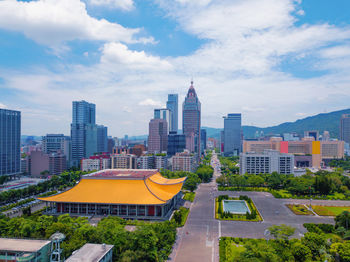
(321, 122)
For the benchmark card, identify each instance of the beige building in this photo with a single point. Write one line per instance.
(123, 161)
(184, 162)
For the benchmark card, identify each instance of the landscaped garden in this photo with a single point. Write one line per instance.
(180, 216)
(300, 209)
(241, 209)
(322, 242)
(318, 185)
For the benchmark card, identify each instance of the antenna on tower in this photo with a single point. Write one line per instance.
(192, 80)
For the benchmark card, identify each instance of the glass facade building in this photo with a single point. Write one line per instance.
(172, 104)
(176, 143)
(10, 142)
(232, 134)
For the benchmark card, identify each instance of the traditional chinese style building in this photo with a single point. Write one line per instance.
(128, 193)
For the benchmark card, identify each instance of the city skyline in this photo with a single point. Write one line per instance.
(126, 56)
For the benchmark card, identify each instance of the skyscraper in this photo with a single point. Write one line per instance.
(176, 143)
(10, 142)
(83, 131)
(158, 136)
(203, 140)
(345, 128)
(172, 104)
(232, 134)
(57, 143)
(102, 139)
(191, 120)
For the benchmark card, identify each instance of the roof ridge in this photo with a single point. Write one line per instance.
(151, 190)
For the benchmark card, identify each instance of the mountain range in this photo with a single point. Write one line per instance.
(321, 122)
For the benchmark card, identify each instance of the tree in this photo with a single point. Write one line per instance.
(301, 252)
(281, 232)
(315, 242)
(343, 220)
(177, 217)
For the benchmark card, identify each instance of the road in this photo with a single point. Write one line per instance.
(198, 240)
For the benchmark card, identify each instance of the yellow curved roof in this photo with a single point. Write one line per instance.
(120, 191)
(159, 179)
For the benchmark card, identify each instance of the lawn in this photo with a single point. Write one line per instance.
(236, 217)
(183, 214)
(299, 209)
(229, 249)
(189, 196)
(330, 210)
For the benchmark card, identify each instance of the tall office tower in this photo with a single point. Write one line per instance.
(345, 128)
(10, 142)
(164, 113)
(232, 134)
(83, 131)
(157, 136)
(191, 121)
(176, 143)
(110, 145)
(172, 104)
(203, 140)
(102, 139)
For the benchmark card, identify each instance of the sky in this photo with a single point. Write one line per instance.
(271, 60)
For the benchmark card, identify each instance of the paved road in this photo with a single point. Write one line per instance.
(198, 239)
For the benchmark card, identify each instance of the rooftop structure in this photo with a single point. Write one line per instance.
(92, 253)
(12, 249)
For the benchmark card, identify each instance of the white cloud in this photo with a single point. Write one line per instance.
(3, 106)
(125, 5)
(236, 70)
(150, 102)
(119, 54)
(51, 22)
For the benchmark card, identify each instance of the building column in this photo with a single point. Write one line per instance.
(69, 207)
(95, 209)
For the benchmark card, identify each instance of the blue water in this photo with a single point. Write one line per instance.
(235, 206)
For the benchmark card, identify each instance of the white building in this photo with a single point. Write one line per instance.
(267, 162)
(184, 162)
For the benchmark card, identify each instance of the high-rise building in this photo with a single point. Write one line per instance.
(345, 128)
(10, 142)
(102, 139)
(164, 113)
(176, 143)
(110, 145)
(203, 140)
(83, 131)
(232, 134)
(158, 136)
(191, 121)
(172, 104)
(184, 161)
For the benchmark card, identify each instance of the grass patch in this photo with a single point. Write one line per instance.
(189, 196)
(219, 214)
(180, 216)
(300, 210)
(330, 210)
(229, 250)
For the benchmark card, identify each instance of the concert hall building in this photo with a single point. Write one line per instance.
(127, 193)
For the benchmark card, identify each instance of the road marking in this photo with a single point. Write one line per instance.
(219, 228)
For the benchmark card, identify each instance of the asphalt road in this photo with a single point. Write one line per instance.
(198, 240)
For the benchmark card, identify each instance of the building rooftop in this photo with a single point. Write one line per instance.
(22, 245)
(123, 173)
(90, 253)
(151, 189)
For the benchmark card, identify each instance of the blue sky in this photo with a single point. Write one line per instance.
(271, 60)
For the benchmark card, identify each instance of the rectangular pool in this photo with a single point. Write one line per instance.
(235, 206)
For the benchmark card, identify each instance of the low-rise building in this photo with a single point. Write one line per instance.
(96, 162)
(26, 250)
(123, 161)
(267, 162)
(184, 161)
(92, 253)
